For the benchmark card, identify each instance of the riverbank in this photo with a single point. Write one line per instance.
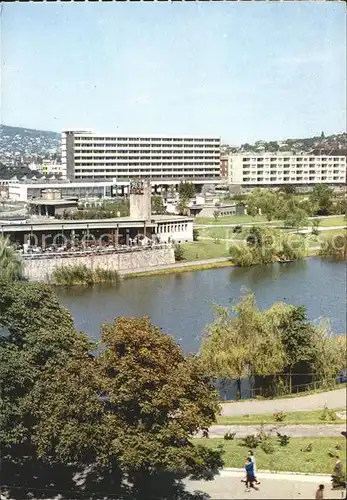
(193, 265)
(179, 267)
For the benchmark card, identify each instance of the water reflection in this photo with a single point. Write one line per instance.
(182, 304)
(268, 272)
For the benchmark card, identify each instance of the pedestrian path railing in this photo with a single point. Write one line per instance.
(93, 251)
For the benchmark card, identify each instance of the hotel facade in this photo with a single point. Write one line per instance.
(277, 169)
(163, 160)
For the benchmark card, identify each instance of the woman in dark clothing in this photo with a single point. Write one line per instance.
(250, 479)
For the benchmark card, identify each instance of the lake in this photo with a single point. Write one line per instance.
(182, 304)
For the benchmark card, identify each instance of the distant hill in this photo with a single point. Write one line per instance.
(335, 144)
(19, 145)
(21, 131)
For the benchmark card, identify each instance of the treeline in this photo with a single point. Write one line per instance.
(266, 245)
(119, 413)
(272, 346)
(293, 210)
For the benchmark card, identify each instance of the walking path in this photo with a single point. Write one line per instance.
(331, 399)
(296, 431)
(285, 486)
(177, 265)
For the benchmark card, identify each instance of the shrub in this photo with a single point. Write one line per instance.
(195, 234)
(251, 441)
(327, 415)
(179, 253)
(229, 436)
(279, 416)
(263, 435)
(334, 247)
(267, 446)
(283, 439)
(80, 274)
(237, 229)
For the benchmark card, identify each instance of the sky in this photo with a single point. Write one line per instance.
(243, 71)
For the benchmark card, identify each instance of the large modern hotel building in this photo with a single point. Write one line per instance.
(276, 169)
(164, 160)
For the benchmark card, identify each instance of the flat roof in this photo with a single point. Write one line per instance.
(54, 224)
(55, 185)
(42, 201)
(142, 136)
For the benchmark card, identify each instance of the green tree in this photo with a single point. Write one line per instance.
(36, 332)
(11, 266)
(328, 358)
(179, 253)
(155, 399)
(296, 335)
(288, 189)
(216, 214)
(334, 247)
(126, 413)
(186, 190)
(265, 200)
(182, 206)
(158, 205)
(237, 346)
(322, 195)
(296, 218)
(261, 247)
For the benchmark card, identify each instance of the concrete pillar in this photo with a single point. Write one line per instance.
(127, 236)
(145, 229)
(72, 236)
(43, 241)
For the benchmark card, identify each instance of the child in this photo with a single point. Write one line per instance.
(319, 492)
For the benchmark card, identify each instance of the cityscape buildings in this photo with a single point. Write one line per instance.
(100, 157)
(276, 169)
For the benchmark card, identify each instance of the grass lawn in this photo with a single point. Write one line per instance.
(221, 232)
(292, 418)
(201, 250)
(285, 458)
(231, 219)
(337, 220)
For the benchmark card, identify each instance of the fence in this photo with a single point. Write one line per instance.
(90, 252)
(296, 389)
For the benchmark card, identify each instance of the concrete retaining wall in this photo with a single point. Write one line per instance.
(42, 269)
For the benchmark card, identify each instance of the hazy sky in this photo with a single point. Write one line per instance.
(242, 71)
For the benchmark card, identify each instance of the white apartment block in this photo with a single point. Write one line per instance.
(164, 160)
(274, 169)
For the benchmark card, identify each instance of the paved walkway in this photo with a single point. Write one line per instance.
(332, 399)
(177, 265)
(322, 430)
(284, 486)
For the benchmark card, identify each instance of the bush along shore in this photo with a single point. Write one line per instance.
(80, 274)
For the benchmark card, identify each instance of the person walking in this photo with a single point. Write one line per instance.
(250, 479)
(252, 457)
(320, 492)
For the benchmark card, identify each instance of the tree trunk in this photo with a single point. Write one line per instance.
(290, 380)
(238, 389)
